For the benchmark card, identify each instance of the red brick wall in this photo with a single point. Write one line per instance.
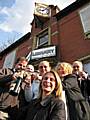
(24, 48)
(67, 34)
(72, 42)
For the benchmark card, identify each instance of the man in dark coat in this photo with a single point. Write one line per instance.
(83, 79)
(8, 103)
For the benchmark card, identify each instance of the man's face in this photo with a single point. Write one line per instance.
(77, 67)
(30, 68)
(21, 65)
(44, 67)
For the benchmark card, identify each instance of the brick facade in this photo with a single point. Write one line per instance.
(66, 32)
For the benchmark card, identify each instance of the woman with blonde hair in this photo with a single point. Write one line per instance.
(64, 68)
(78, 108)
(49, 106)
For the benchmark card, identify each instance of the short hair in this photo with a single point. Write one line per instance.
(21, 59)
(79, 63)
(44, 61)
(30, 66)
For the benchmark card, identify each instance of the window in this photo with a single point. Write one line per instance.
(9, 60)
(42, 39)
(87, 67)
(85, 19)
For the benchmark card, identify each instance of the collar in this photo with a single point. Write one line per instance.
(46, 100)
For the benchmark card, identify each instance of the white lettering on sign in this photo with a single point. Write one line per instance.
(44, 52)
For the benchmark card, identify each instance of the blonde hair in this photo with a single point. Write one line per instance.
(66, 66)
(58, 88)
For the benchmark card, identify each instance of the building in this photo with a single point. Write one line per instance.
(56, 35)
(20, 48)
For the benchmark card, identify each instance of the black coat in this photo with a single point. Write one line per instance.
(84, 84)
(77, 106)
(52, 109)
(8, 103)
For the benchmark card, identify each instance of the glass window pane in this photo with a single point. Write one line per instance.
(42, 39)
(85, 18)
(87, 67)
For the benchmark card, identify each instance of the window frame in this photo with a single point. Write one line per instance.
(41, 35)
(85, 60)
(85, 22)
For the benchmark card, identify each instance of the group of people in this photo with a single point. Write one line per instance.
(59, 93)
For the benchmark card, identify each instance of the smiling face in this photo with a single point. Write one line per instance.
(48, 83)
(61, 71)
(64, 69)
(77, 67)
(21, 65)
(44, 67)
(30, 68)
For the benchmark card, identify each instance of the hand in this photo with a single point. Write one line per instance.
(83, 75)
(36, 76)
(3, 115)
(27, 81)
(18, 74)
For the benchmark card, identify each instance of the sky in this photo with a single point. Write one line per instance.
(16, 16)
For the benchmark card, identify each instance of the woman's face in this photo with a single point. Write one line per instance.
(61, 71)
(48, 83)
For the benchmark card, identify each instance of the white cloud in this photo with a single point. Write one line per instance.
(20, 15)
(60, 3)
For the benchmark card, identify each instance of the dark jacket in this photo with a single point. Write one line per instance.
(77, 106)
(5, 76)
(51, 109)
(9, 103)
(84, 84)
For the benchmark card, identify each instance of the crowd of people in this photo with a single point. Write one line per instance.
(49, 93)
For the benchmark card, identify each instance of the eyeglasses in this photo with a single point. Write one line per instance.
(42, 67)
(21, 65)
(51, 79)
(75, 66)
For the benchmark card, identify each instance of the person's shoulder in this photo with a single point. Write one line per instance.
(57, 100)
(57, 103)
(71, 76)
(5, 71)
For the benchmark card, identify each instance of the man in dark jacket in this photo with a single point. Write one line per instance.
(8, 103)
(83, 79)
